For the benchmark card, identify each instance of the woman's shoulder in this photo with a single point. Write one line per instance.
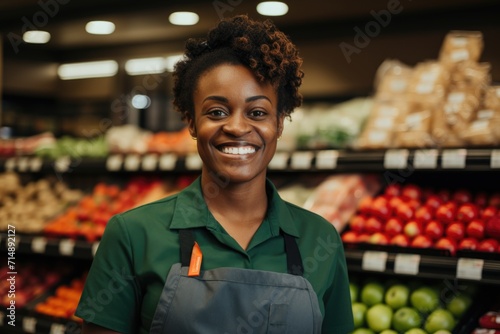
(308, 220)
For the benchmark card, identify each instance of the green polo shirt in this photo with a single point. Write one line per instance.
(139, 246)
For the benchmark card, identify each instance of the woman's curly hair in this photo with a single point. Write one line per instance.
(260, 46)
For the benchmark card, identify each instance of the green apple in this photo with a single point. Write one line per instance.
(459, 304)
(397, 296)
(358, 314)
(406, 318)
(388, 331)
(442, 331)
(415, 331)
(363, 331)
(439, 319)
(379, 317)
(354, 291)
(372, 293)
(425, 299)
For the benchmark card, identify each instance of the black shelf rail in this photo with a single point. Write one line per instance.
(459, 159)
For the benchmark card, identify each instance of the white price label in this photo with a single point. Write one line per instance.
(193, 162)
(57, 328)
(279, 161)
(62, 164)
(470, 268)
(66, 247)
(95, 245)
(495, 159)
(301, 160)
(168, 161)
(454, 158)
(149, 162)
(407, 264)
(22, 164)
(132, 162)
(29, 325)
(374, 261)
(396, 159)
(38, 244)
(10, 164)
(114, 162)
(36, 164)
(327, 159)
(425, 159)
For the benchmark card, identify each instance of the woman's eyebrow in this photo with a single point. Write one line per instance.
(248, 99)
(257, 97)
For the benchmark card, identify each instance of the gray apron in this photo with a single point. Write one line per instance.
(234, 300)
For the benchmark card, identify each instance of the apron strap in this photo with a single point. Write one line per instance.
(293, 258)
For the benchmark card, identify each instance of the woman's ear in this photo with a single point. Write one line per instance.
(191, 126)
(281, 124)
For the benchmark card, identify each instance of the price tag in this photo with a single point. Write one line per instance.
(67, 247)
(327, 159)
(454, 158)
(22, 164)
(495, 159)
(29, 325)
(279, 161)
(396, 159)
(301, 160)
(407, 264)
(95, 245)
(57, 328)
(193, 162)
(114, 162)
(425, 159)
(168, 161)
(149, 162)
(10, 164)
(38, 244)
(374, 261)
(62, 164)
(36, 164)
(470, 268)
(132, 162)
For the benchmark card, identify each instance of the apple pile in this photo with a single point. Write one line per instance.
(411, 216)
(412, 308)
(489, 322)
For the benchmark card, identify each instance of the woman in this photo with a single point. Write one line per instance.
(226, 254)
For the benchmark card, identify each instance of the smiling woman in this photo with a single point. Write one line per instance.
(227, 244)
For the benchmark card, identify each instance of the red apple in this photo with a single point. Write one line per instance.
(455, 231)
(394, 202)
(421, 241)
(364, 237)
(492, 227)
(468, 243)
(400, 240)
(433, 202)
(444, 195)
(380, 208)
(411, 191)
(488, 245)
(393, 226)
(495, 200)
(488, 212)
(434, 230)
(461, 196)
(404, 212)
(467, 212)
(446, 213)
(350, 237)
(475, 229)
(412, 229)
(373, 224)
(392, 190)
(481, 199)
(414, 204)
(357, 223)
(379, 238)
(364, 205)
(446, 243)
(423, 215)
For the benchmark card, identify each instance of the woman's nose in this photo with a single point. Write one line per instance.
(237, 125)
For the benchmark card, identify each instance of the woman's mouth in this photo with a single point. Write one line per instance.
(237, 150)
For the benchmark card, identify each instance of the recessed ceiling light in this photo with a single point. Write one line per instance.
(184, 18)
(93, 69)
(36, 37)
(100, 27)
(140, 101)
(272, 8)
(142, 66)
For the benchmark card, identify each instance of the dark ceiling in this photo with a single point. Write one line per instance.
(318, 27)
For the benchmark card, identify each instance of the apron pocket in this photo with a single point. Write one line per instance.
(278, 314)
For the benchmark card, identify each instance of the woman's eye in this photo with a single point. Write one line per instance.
(257, 113)
(217, 113)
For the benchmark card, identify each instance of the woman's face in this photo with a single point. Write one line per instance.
(236, 123)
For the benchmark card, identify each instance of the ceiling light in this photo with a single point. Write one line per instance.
(170, 62)
(36, 37)
(100, 27)
(140, 101)
(93, 69)
(184, 18)
(272, 8)
(145, 66)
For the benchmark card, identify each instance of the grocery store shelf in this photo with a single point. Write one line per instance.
(26, 244)
(28, 323)
(313, 160)
(425, 263)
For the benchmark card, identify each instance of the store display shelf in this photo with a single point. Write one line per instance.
(425, 263)
(65, 247)
(32, 323)
(306, 160)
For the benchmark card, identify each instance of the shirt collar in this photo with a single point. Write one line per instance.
(191, 211)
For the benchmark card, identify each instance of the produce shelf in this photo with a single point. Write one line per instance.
(27, 323)
(312, 161)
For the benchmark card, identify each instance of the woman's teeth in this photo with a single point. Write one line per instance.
(238, 150)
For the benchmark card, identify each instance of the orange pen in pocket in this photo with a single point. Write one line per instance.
(195, 264)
